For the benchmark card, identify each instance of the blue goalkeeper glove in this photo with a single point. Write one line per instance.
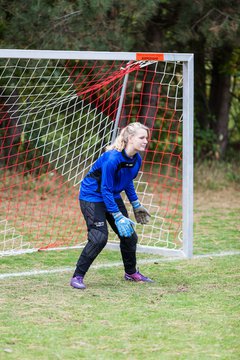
(141, 214)
(123, 224)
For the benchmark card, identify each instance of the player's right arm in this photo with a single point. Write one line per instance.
(109, 168)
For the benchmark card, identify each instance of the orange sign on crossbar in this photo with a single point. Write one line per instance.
(149, 57)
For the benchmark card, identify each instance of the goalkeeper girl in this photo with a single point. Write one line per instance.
(101, 202)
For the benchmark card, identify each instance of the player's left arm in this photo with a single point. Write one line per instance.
(141, 214)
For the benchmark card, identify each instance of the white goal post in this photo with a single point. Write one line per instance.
(58, 111)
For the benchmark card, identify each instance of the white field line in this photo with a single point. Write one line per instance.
(114, 264)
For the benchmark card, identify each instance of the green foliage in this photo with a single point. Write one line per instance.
(200, 27)
(217, 22)
(205, 144)
(85, 25)
(234, 114)
(118, 26)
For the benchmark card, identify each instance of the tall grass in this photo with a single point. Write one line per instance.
(217, 175)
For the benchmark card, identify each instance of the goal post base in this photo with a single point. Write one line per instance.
(110, 246)
(150, 250)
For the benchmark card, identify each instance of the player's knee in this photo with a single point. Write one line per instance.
(96, 242)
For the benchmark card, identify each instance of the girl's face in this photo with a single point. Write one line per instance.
(139, 140)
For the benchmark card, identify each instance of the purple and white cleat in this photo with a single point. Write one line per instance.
(77, 282)
(137, 276)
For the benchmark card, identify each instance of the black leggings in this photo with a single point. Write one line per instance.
(96, 217)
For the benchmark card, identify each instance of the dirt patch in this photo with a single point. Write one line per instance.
(221, 199)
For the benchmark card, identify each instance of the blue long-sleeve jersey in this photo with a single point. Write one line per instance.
(112, 173)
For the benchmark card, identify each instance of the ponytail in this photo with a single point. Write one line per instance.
(121, 140)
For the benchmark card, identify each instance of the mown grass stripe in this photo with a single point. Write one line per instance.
(119, 263)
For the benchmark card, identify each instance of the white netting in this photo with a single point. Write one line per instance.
(57, 116)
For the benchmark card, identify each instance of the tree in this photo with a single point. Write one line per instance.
(75, 24)
(209, 29)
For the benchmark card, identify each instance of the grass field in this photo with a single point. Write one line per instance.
(191, 311)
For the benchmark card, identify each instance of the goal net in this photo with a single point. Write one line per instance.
(59, 110)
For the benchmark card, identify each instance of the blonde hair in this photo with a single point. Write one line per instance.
(121, 140)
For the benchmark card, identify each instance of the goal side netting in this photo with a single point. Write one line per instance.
(58, 111)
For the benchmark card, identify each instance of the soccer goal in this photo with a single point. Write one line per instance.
(59, 110)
